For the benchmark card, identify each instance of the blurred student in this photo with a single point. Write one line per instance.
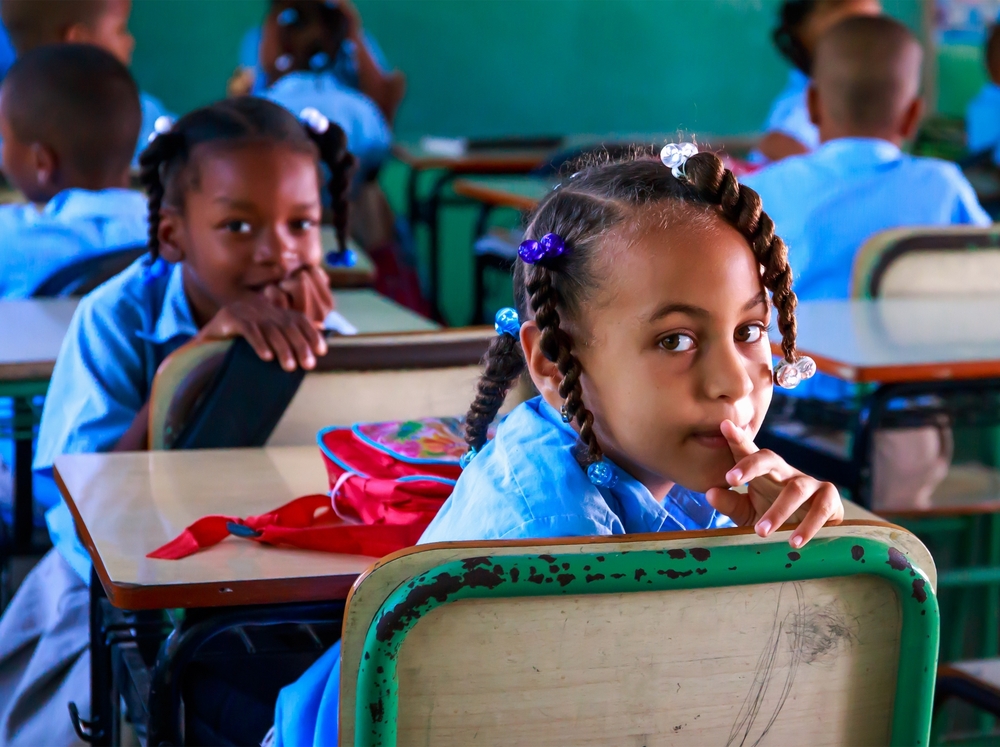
(865, 101)
(982, 117)
(789, 131)
(75, 177)
(103, 23)
(301, 42)
(359, 63)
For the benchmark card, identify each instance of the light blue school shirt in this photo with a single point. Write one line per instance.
(345, 69)
(118, 337)
(37, 241)
(7, 53)
(368, 135)
(982, 121)
(789, 113)
(525, 484)
(825, 204)
(152, 109)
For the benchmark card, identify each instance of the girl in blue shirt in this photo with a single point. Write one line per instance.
(644, 296)
(234, 230)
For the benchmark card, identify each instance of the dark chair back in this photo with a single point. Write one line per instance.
(83, 275)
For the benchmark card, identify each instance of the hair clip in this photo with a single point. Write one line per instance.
(463, 461)
(287, 17)
(314, 119)
(319, 61)
(564, 413)
(346, 258)
(789, 374)
(283, 63)
(550, 246)
(161, 126)
(154, 270)
(507, 322)
(675, 156)
(602, 474)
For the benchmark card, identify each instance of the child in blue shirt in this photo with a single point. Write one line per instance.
(76, 178)
(301, 43)
(103, 23)
(865, 100)
(235, 250)
(982, 117)
(789, 130)
(643, 304)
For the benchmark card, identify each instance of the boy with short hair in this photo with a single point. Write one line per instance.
(982, 117)
(103, 23)
(76, 177)
(865, 100)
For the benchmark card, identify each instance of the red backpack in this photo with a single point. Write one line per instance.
(387, 482)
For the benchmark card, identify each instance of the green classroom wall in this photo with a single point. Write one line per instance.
(495, 67)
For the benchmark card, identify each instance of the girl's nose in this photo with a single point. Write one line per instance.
(277, 247)
(726, 375)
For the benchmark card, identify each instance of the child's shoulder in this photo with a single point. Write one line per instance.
(128, 300)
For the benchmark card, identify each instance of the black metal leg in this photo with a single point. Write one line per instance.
(479, 291)
(23, 519)
(412, 200)
(165, 724)
(433, 219)
(97, 730)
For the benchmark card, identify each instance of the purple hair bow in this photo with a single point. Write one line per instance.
(550, 246)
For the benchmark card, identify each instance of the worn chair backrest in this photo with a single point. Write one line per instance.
(362, 378)
(928, 261)
(685, 638)
(81, 276)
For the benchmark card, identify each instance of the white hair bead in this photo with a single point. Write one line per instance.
(314, 119)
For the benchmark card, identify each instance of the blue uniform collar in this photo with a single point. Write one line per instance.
(82, 204)
(629, 499)
(798, 79)
(175, 319)
(853, 154)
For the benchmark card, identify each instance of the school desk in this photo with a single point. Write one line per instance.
(126, 505)
(31, 333)
(373, 313)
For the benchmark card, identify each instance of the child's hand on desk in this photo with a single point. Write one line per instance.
(776, 492)
(273, 332)
(307, 290)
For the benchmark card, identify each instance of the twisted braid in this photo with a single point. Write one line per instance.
(741, 208)
(159, 152)
(332, 145)
(504, 364)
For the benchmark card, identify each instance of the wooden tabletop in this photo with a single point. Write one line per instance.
(901, 340)
(372, 313)
(31, 333)
(126, 505)
(518, 192)
(500, 160)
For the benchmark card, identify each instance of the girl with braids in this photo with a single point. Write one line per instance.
(234, 250)
(643, 303)
(789, 130)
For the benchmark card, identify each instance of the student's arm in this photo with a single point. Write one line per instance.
(385, 89)
(136, 437)
(778, 145)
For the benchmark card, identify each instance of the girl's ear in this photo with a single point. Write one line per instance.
(544, 373)
(172, 235)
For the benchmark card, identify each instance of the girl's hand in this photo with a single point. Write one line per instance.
(776, 492)
(307, 290)
(275, 333)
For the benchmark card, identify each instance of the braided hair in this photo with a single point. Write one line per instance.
(582, 209)
(786, 36)
(164, 165)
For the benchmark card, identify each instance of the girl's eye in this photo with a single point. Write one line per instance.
(238, 226)
(749, 333)
(302, 225)
(677, 343)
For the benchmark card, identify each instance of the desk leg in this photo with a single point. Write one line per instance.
(434, 244)
(412, 199)
(24, 422)
(480, 266)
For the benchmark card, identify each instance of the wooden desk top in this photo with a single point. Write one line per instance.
(500, 161)
(901, 340)
(126, 505)
(372, 313)
(518, 192)
(31, 333)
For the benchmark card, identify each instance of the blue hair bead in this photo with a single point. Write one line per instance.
(506, 322)
(550, 246)
(602, 474)
(346, 258)
(154, 270)
(287, 17)
(463, 461)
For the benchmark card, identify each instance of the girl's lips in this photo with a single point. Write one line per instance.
(710, 439)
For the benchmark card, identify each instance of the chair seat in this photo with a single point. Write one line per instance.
(499, 242)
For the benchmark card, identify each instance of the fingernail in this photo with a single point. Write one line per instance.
(796, 541)
(763, 527)
(310, 362)
(734, 476)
